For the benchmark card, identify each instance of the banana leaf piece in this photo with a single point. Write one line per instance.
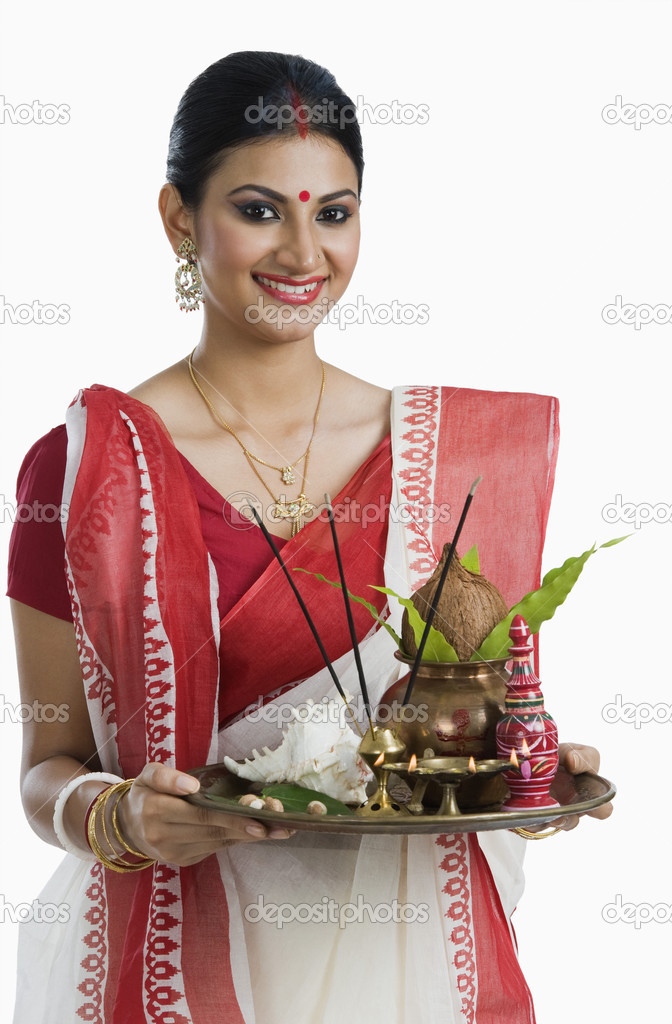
(296, 798)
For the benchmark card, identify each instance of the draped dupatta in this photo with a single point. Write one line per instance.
(177, 946)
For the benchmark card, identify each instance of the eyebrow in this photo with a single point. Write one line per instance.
(279, 198)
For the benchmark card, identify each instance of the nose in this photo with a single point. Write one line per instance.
(298, 246)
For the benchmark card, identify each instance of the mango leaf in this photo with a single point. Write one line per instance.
(470, 561)
(437, 647)
(539, 605)
(360, 600)
(296, 798)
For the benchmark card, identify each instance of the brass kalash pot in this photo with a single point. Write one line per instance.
(454, 710)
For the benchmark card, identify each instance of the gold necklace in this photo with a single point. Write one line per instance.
(285, 472)
(297, 509)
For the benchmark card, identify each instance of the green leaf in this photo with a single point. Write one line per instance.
(539, 605)
(470, 561)
(296, 798)
(616, 540)
(360, 600)
(437, 647)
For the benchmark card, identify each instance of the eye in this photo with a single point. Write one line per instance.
(258, 211)
(334, 214)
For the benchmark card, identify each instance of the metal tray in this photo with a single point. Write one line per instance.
(575, 794)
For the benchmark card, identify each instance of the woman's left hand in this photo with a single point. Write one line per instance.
(576, 758)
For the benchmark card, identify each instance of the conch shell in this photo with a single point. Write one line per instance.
(317, 751)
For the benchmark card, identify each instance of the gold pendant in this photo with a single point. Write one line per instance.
(295, 510)
(287, 475)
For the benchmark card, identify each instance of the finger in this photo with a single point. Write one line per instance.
(601, 812)
(577, 757)
(210, 825)
(161, 834)
(188, 823)
(164, 779)
(161, 811)
(570, 822)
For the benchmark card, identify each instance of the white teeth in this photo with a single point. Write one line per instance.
(291, 289)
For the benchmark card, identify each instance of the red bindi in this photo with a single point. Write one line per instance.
(304, 196)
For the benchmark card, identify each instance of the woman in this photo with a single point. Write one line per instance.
(172, 614)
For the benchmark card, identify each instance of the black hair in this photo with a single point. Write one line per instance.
(251, 95)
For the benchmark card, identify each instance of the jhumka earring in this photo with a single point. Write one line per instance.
(188, 279)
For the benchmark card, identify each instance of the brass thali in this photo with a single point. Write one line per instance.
(575, 794)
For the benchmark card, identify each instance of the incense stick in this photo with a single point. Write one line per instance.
(438, 591)
(348, 612)
(305, 611)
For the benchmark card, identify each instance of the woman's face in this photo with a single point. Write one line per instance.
(277, 236)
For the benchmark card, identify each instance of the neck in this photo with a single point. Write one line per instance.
(259, 382)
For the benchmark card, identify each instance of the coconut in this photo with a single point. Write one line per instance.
(469, 608)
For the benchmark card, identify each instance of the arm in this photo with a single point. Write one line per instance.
(152, 817)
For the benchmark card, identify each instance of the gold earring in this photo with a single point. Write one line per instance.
(188, 279)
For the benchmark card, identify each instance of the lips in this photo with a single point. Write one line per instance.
(287, 289)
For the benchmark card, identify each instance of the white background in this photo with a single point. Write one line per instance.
(516, 213)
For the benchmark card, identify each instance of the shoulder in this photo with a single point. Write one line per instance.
(49, 450)
(41, 474)
(161, 386)
(446, 392)
(168, 395)
(457, 404)
(357, 400)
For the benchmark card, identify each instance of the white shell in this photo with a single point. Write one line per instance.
(317, 751)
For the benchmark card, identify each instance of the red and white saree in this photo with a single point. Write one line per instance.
(176, 946)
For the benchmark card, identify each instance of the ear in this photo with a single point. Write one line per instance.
(177, 222)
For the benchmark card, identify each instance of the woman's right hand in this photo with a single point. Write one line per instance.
(155, 820)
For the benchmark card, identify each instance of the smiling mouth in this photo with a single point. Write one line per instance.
(295, 293)
(290, 289)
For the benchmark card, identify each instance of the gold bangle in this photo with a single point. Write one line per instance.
(100, 809)
(114, 863)
(535, 835)
(115, 821)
